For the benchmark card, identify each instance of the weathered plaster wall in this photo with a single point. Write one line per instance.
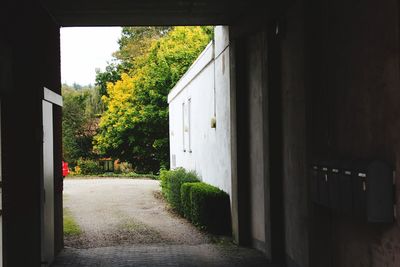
(295, 182)
(206, 84)
(252, 180)
(254, 71)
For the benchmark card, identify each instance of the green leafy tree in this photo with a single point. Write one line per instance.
(80, 121)
(134, 126)
(111, 74)
(134, 42)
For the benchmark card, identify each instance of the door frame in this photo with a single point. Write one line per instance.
(53, 99)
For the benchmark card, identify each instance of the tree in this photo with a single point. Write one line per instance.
(134, 126)
(79, 122)
(134, 42)
(111, 74)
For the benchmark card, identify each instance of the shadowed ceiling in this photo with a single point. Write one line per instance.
(154, 12)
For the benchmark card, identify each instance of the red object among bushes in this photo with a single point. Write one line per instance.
(65, 170)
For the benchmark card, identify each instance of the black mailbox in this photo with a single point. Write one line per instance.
(334, 185)
(346, 189)
(380, 192)
(314, 183)
(323, 185)
(373, 191)
(319, 184)
(361, 188)
(359, 185)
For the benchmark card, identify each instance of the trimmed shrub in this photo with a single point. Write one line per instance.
(210, 208)
(171, 182)
(186, 200)
(87, 166)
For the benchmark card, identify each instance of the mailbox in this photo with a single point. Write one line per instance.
(373, 191)
(320, 173)
(346, 189)
(380, 192)
(362, 188)
(359, 186)
(314, 183)
(334, 185)
(323, 185)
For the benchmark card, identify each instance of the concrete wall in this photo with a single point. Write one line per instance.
(255, 183)
(339, 81)
(31, 39)
(194, 144)
(355, 113)
(254, 72)
(334, 69)
(295, 180)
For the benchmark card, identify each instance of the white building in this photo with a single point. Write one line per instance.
(199, 115)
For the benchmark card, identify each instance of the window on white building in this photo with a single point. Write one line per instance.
(189, 126)
(183, 127)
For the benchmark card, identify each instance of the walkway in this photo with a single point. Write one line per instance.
(125, 222)
(206, 255)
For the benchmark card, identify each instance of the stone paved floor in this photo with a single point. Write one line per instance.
(161, 255)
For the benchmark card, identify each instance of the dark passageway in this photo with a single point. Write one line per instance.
(335, 68)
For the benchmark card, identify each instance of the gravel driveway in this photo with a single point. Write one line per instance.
(122, 212)
(125, 223)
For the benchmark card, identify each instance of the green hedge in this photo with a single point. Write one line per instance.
(210, 208)
(207, 207)
(171, 182)
(204, 205)
(88, 166)
(186, 200)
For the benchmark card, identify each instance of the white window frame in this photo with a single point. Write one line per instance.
(189, 125)
(183, 127)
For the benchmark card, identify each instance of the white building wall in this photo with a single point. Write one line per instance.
(194, 143)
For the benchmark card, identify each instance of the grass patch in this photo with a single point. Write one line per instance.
(71, 228)
(131, 231)
(132, 226)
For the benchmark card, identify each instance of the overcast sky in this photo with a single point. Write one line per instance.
(84, 49)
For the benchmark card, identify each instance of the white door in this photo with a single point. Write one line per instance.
(48, 186)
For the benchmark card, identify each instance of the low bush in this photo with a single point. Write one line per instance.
(87, 166)
(129, 175)
(171, 182)
(210, 208)
(186, 200)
